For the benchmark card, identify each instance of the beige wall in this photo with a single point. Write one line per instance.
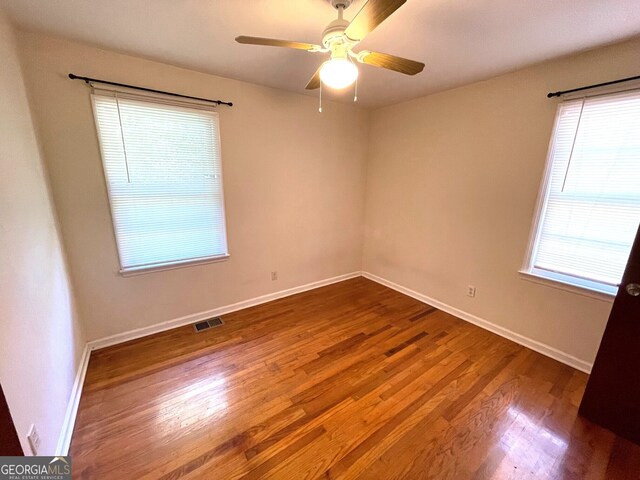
(451, 182)
(293, 179)
(40, 337)
(451, 190)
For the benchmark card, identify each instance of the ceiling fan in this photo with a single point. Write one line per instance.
(340, 37)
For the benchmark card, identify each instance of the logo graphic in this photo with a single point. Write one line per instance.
(35, 468)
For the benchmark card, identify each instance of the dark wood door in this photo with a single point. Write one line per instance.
(9, 443)
(612, 396)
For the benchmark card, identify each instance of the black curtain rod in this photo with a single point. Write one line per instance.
(613, 82)
(144, 89)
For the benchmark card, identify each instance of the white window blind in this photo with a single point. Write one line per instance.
(591, 199)
(162, 165)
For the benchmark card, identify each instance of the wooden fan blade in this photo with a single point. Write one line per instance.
(372, 14)
(272, 42)
(314, 82)
(391, 62)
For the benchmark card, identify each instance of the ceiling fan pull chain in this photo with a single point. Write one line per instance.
(320, 108)
(355, 93)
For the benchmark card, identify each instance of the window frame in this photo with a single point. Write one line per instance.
(171, 265)
(558, 280)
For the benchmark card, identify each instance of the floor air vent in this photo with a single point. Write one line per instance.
(207, 324)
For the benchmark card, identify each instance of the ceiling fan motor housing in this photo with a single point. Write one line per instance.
(334, 32)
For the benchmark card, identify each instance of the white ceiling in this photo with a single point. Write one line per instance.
(460, 41)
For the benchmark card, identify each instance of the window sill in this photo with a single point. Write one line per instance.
(567, 287)
(130, 272)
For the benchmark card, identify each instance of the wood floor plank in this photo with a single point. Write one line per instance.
(351, 380)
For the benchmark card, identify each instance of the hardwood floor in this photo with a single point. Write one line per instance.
(352, 380)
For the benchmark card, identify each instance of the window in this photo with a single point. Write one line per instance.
(589, 205)
(162, 166)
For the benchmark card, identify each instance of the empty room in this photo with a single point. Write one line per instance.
(333, 239)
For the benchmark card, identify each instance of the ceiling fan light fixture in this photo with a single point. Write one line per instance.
(339, 39)
(338, 73)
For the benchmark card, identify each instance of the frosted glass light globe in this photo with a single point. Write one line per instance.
(338, 73)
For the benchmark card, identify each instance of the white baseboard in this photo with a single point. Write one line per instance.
(64, 441)
(196, 317)
(487, 325)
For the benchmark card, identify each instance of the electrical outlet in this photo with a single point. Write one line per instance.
(34, 439)
(274, 275)
(471, 291)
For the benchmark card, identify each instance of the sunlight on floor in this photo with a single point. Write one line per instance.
(198, 401)
(532, 451)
